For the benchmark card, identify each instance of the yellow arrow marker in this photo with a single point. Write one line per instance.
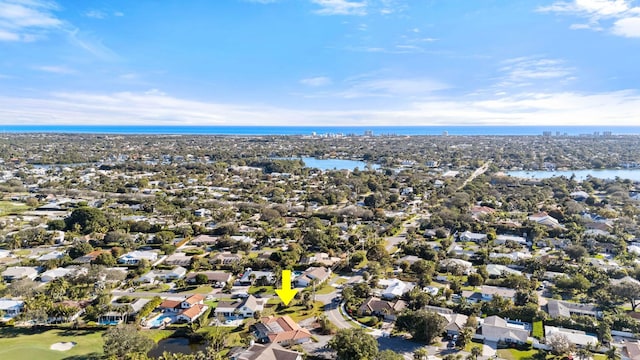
(286, 294)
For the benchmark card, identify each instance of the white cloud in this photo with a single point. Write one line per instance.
(341, 7)
(601, 14)
(26, 20)
(523, 71)
(55, 69)
(316, 81)
(627, 27)
(156, 108)
(96, 14)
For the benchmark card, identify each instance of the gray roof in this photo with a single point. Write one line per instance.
(557, 308)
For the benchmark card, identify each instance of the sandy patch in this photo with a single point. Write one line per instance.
(63, 346)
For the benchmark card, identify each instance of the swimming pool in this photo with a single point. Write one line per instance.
(155, 323)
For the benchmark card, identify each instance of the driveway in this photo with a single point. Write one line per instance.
(489, 349)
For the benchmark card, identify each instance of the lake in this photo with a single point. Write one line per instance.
(631, 174)
(175, 345)
(334, 164)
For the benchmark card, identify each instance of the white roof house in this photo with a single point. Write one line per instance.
(55, 273)
(10, 308)
(166, 275)
(134, 257)
(54, 255)
(576, 337)
(19, 272)
(395, 288)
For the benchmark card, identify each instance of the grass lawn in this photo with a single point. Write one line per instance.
(10, 207)
(204, 289)
(262, 290)
(325, 289)
(299, 312)
(341, 281)
(538, 330)
(514, 354)
(18, 343)
(157, 335)
(154, 288)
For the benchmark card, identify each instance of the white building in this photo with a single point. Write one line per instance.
(134, 257)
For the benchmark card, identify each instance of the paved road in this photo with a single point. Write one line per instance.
(479, 171)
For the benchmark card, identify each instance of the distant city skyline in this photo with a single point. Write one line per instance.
(320, 62)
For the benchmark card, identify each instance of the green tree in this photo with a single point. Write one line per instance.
(627, 291)
(354, 344)
(422, 325)
(123, 340)
(389, 355)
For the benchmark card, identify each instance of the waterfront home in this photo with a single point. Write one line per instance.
(266, 352)
(244, 308)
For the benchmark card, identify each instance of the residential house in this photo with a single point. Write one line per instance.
(455, 321)
(576, 337)
(10, 308)
(374, 306)
(216, 278)
(394, 288)
(204, 240)
(631, 350)
(163, 275)
(487, 293)
(503, 239)
(250, 276)
(54, 255)
(456, 266)
(267, 352)
(558, 308)
(545, 219)
(178, 259)
(226, 258)
(187, 309)
(192, 313)
(317, 274)
(243, 308)
(134, 257)
(55, 273)
(474, 237)
(497, 270)
(280, 330)
(497, 329)
(88, 258)
(19, 272)
(320, 258)
(80, 307)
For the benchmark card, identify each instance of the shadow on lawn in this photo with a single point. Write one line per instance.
(12, 332)
(92, 356)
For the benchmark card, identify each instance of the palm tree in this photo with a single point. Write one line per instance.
(613, 354)
(420, 354)
(476, 351)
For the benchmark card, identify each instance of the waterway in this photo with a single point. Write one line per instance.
(335, 164)
(607, 174)
(175, 345)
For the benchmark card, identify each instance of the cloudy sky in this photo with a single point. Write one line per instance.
(320, 62)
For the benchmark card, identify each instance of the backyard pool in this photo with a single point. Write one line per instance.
(157, 322)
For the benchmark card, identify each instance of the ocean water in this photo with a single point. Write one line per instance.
(320, 130)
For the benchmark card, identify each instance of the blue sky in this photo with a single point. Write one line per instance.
(320, 62)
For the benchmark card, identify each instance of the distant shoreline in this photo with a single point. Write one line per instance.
(330, 131)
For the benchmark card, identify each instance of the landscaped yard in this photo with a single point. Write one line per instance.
(18, 344)
(204, 289)
(515, 354)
